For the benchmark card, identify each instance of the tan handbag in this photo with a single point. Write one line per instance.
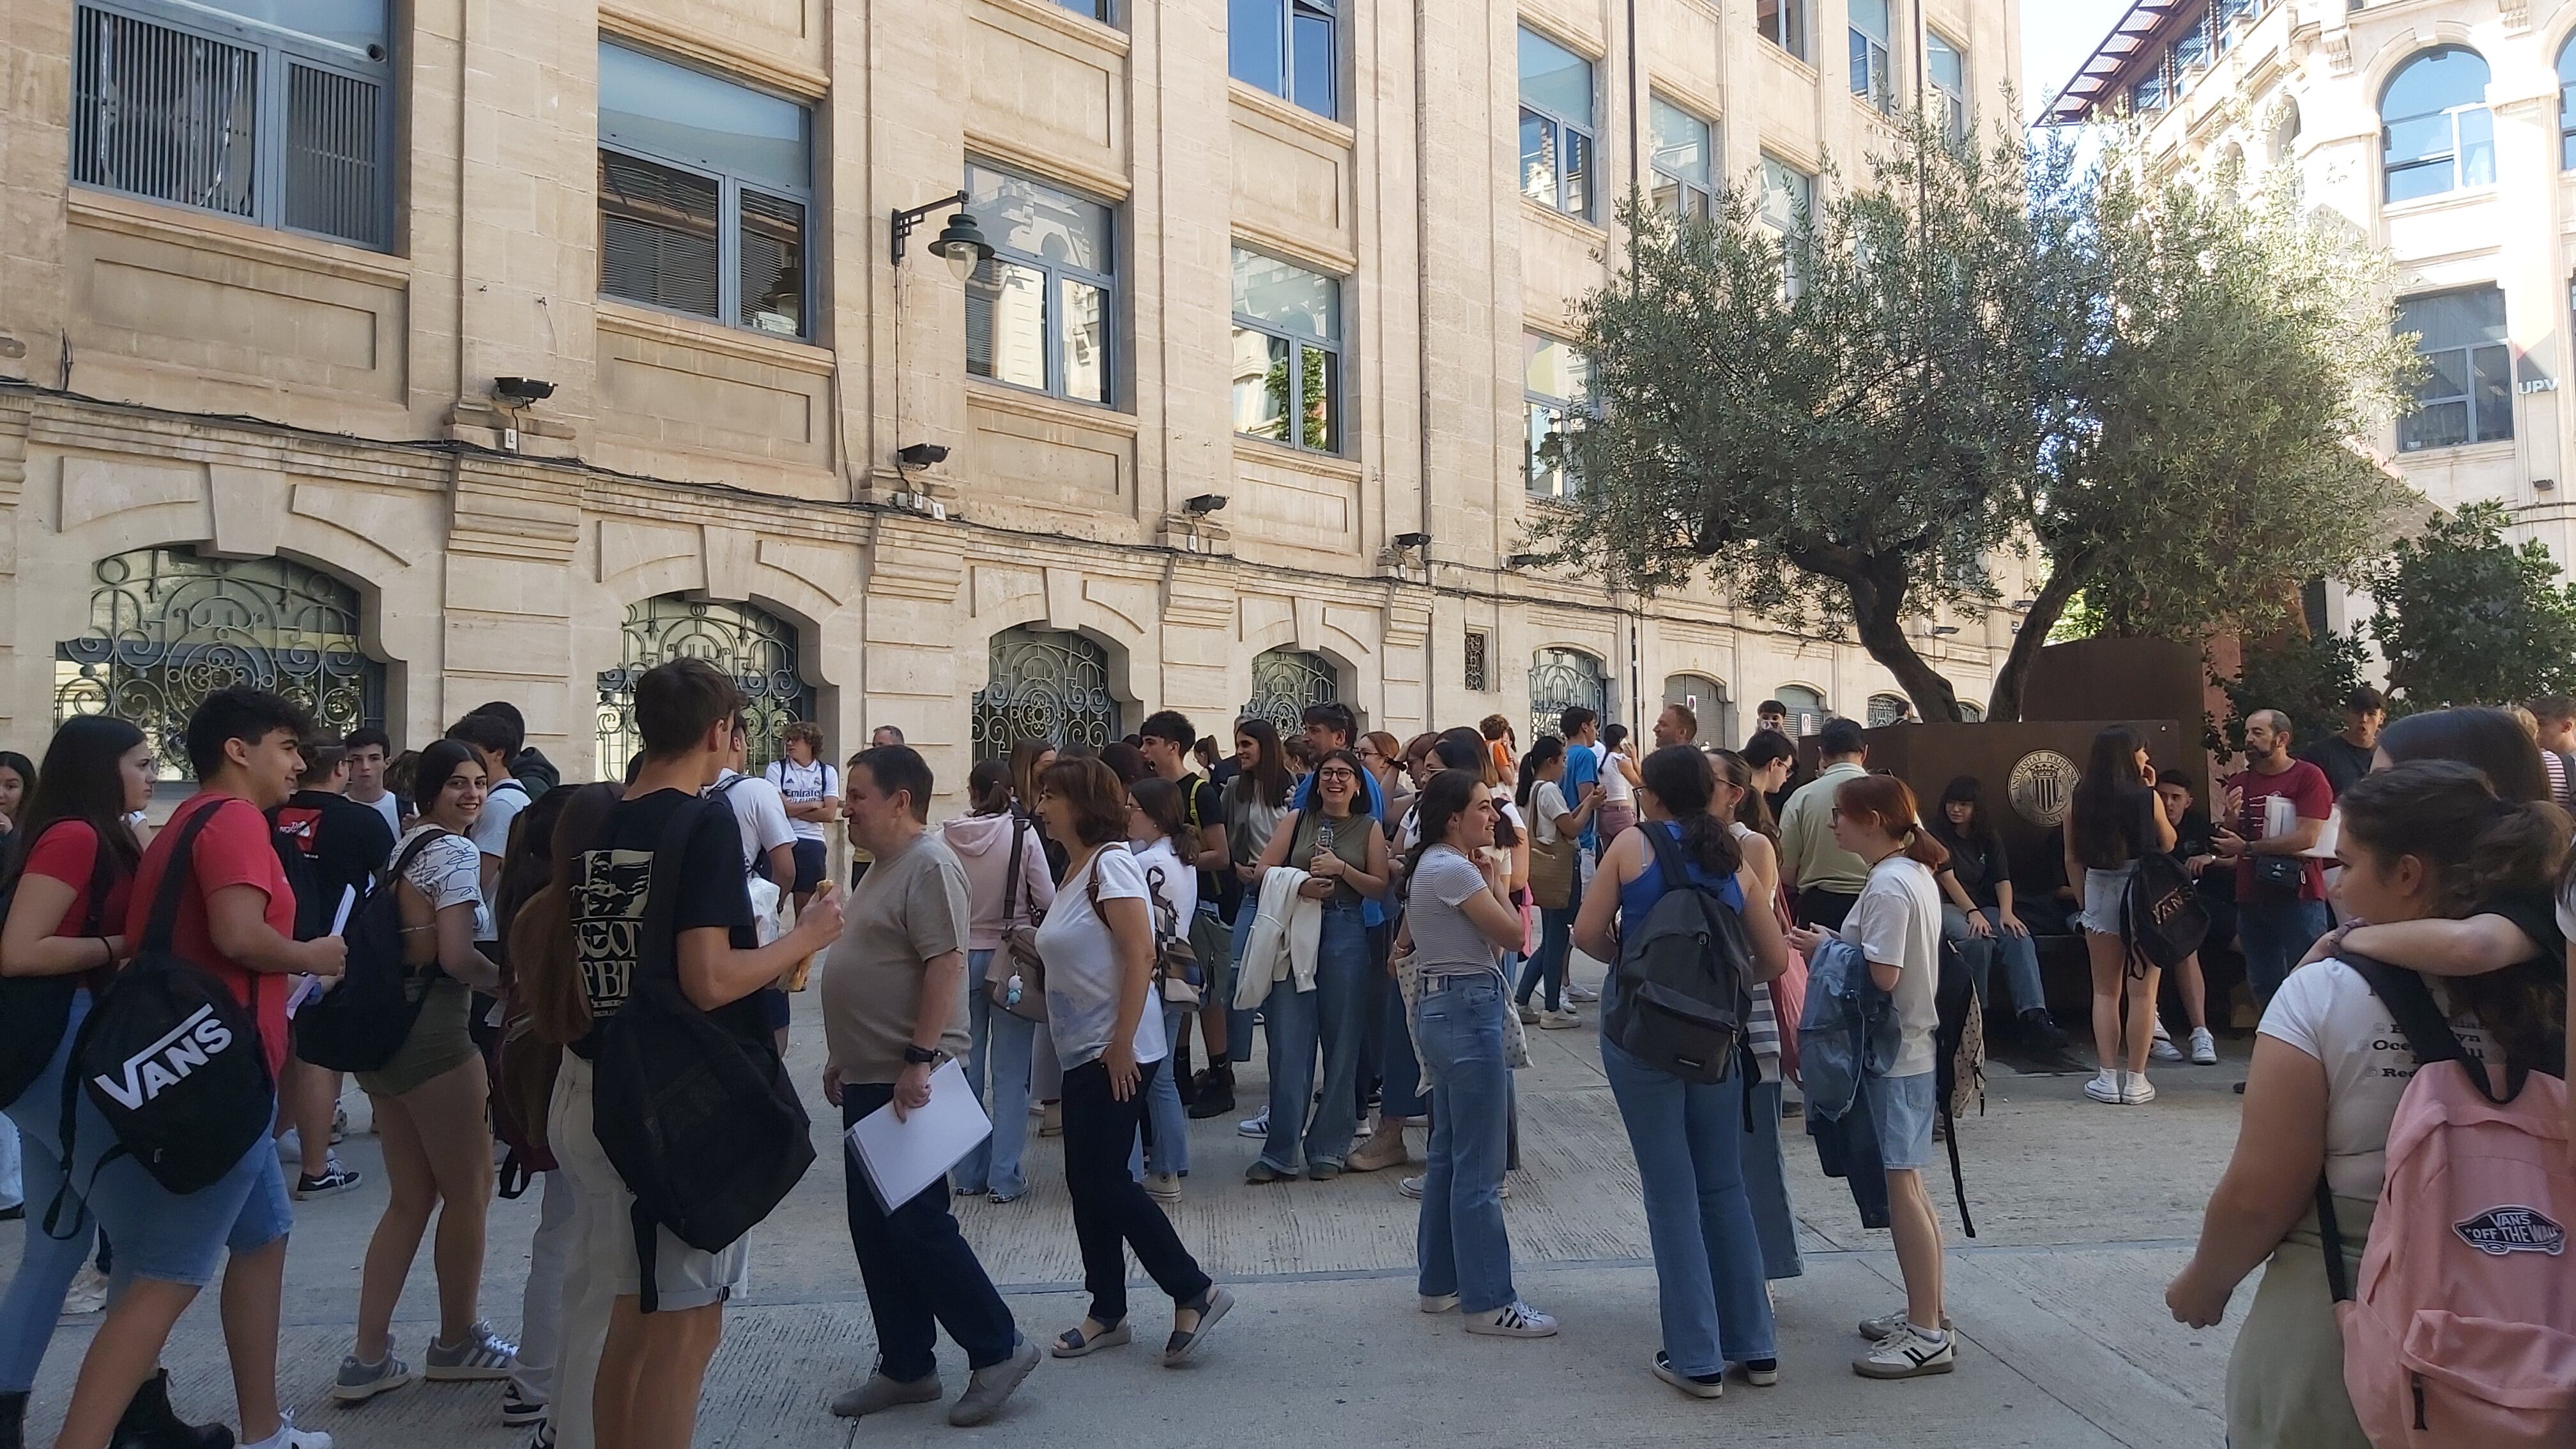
(1551, 872)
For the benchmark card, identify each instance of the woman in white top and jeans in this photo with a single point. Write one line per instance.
(1098, 944)
(1159, 835)
(1618, 785)
(1896, 923)
(2420, 842)
(1458, 919)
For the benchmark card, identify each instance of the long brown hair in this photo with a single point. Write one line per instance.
(1752, 809)
(1889, 801)
(548, 985)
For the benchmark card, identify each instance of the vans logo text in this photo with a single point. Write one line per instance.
(168, 1061)
(2502, 1230)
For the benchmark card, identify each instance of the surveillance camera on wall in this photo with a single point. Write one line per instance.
(922, 455)
(521, 391)
(1204, 504)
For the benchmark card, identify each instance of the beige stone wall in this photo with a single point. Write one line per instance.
(172, 377)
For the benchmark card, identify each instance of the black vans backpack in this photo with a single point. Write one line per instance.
(167, 1055)
(704, 1127)
(363, 1019)
(1684, 997)
(35, 1010)
(2161, 913)
(294, 830)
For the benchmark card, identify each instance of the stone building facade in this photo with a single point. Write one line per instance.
(2443, 130)
(280, 283)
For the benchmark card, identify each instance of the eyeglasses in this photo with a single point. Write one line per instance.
(1338, 772)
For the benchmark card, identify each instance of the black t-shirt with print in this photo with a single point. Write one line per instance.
(616, 887)
(2534, 914)
(345, 842)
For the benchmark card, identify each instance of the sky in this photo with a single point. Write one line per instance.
(2056, 36)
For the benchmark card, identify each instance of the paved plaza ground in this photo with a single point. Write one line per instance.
(2083, 1212)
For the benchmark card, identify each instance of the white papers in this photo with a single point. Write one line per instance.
(903, 1157)
(340, 917)
(2280, 815)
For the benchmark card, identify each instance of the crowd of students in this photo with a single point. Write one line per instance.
(597, 972)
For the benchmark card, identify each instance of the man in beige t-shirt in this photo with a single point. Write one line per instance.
(894, 1009)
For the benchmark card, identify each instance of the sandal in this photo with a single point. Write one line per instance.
(1072, 1344)
(1210, 1307)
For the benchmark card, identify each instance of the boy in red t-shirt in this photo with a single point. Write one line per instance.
(236, 920)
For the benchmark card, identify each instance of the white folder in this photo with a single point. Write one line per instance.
(903, 1157)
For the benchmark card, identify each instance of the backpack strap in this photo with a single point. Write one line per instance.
(2429, 1036)
(1011, 872)
(175, 877)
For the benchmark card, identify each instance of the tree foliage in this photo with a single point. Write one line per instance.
(2154, 389)
(2465, 617)
(2307, 677)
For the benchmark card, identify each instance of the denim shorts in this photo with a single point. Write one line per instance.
(167, 1237)
(1902, 1109)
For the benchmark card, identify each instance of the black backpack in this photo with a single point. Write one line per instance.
(1683, 1001)
(34, 1010)
(167, 1055)
(292, 830)
(703, 1126)
(362, 1020)
(1959, 1066)
(2160, 912)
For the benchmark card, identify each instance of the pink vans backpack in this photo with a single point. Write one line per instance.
(2463, 1328)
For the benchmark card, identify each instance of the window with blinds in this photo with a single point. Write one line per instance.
(705, 190)
(226, 112)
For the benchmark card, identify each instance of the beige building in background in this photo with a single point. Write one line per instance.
(2445, 131)
(415, 357)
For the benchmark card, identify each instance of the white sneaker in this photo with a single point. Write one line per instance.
(1513, 1320)
(2204, 1047)
(2136, 1092)
(290, 1144)
(1163, 1187)
(1254, 1127)
(1559, 1020)
(1884, 1326)
(1409, 1186)
(1907, 1354)
(2105, 1086)
(88, 1291)
(290, 1437)
(2162, 1048)
(1580, 993)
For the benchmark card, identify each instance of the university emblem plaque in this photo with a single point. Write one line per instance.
(2042, 783)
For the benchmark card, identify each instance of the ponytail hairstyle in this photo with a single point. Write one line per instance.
(1751, 810)
(1614, 738)
(546, 980)
(1436, 809)
(1683, 784)
(2476, 847)
(1543, 752)
(84, 780)
(988, 788)
(1889, 802)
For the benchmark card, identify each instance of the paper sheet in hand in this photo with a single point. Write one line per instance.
(904, 1157)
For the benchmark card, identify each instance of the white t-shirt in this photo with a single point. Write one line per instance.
(390, 808)
(2328, 1011)
(1547, 802)
(1897, 922)
(803, 785)
(1082, 963)
(759, 811)
(1180, 882)
(449, 871)
(491, 834)
(1615, 789)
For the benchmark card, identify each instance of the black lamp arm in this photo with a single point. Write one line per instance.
(906, 220)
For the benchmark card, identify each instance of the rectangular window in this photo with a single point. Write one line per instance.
(2225, 20)
(1683, 148)
(2148, 94)
(280, 116)
(1285, 47)
(2191, 48)
(2466, 393)
(1556, 126)
(1475, 662)
(1554, 380)
(1041, 311)
(1789, 207)
(1946, 66)
(1783, 23)
(1287, 353)
(705, 194)
(1870, 78)
(1088, 9)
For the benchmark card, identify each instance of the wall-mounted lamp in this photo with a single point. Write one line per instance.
(1412, 540)
(1204, 504)
(518, 392)
(922, 455)
(1943, 631)
(1525, 560)
(2543, 485)
(961, 241)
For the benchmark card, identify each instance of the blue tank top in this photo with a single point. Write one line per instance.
(1638, 896)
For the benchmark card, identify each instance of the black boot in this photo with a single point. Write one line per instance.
(150, 1423)
(13, 1421)
(1215, 1090)
(2041, 1031)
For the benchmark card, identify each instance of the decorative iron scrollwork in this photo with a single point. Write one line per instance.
(1560, 678)
(753, 647)
(167, 627)
(1284, 682)
(1045, 684)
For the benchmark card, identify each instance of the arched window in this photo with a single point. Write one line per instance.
(1806, 709)
(168, 626)
(1560, 678)
(1284, 682)
(755, 648)
(1706, 699)
(2567, 105)
(1971, 713)
(1887, 709)
(2435, 132)
(1046, 684)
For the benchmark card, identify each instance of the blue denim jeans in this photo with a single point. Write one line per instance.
(1238, 1021)
(997, 1068)
(2020, 957)
(46, 1264)
(1165, 1122)
(1766, 1183)
(1689, 1139)
(2274, 935)
(1459, 1245)
(1546, 970)
(1400, 1089)
(1300, 1021)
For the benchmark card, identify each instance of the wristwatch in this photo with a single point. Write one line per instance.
(921, 1056)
